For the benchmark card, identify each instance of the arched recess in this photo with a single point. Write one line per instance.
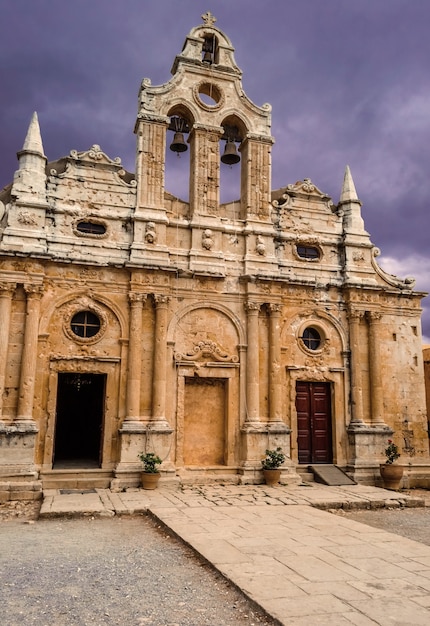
(206, 339)
(45, 320)
(235, 131)
(177, 158)
(316, 396)
(84, 378)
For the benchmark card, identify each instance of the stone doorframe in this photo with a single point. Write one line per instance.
(339, 407)
(84, 365)
(219, 371)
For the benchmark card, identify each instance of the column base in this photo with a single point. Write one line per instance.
(366, 451)
(258, 437)
(19, 477)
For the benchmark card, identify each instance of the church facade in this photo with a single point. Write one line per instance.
(206, 332)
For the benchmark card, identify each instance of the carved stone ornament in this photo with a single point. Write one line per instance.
(27, 218)
(406, 283)
(150, 234)
(78, 305)
(34, 291)
(7, 288)
(304, 188)
(95, 153)
(208, 18)
(207, 350)
(260, 247)
(207, 239)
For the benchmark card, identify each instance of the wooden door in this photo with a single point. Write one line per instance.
(314, 433)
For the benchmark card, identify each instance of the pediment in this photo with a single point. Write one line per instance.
(94, 155)
(301, 189)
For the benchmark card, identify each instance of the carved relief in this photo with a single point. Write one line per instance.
(207, 239)
(150, 234)
(27, 218)
(260, 246)
(78, 305)
(207, 350)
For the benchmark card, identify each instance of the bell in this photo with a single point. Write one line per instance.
(230, 156)
(207, 58)
(178, 144)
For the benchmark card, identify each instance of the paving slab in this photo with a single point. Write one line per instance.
(284, 549)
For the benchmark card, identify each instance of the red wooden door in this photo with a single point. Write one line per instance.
(314, 422)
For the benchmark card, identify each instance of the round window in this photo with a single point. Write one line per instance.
(85, 324)
(311, 338)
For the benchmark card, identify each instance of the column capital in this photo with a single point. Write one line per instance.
(355, 316)
(373, 316)
(7, 288)
(160, 299)
(274, 308)
(252, 306)
(135, 297)
(33, 291)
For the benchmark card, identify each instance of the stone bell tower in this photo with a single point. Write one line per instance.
(205, 105)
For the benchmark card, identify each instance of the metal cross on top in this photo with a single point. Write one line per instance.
(208, 18)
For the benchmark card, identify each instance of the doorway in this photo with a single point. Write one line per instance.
(314, 432)
(204, 422)
(79, 420)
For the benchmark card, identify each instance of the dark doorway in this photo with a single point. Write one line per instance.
(314, 435)
(79, 421)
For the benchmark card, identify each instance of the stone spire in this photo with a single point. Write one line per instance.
(33, 140)
(350, 204)
(30, 178)
(348, 193)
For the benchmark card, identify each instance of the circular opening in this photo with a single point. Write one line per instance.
(209, 94)
(85, 324)
(311, 338)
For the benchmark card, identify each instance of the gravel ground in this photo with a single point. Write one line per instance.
(111, 571)
(126, 571)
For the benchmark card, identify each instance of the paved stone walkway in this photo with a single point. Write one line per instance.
(300, 563)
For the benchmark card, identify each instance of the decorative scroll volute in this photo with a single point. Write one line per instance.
(207, 351)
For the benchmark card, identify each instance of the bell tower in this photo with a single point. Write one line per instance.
(205, 106)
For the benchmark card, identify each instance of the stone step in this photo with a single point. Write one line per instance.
(73, 479)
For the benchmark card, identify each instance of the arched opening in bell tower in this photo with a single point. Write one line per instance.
(231, 166)
(177, 158)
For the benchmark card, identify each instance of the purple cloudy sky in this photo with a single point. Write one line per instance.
(348, 81)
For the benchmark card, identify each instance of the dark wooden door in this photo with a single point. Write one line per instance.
(314, 435)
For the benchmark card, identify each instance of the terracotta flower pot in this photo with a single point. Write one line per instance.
(391, 475)
(150, 480)
(272, 476)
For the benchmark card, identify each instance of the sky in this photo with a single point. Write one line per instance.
(348, 81)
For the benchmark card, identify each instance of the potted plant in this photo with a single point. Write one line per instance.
(271, 464)
(391, 473)
(150, 474)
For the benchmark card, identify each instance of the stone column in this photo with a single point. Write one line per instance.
(252, 364)
(29, 354)
(134, 357)
(275, 371)
(255, 165)
(6, 295)
(356, 378)
(375, 372)
(160, 360)
(204, 169)
(151, 147)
